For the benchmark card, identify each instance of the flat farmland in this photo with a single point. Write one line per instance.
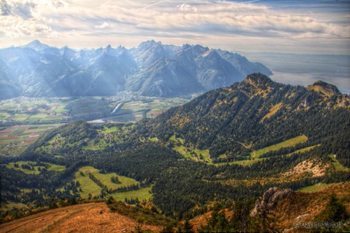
(15, 139)
(23, 120)
(25, 110)
(149, 107)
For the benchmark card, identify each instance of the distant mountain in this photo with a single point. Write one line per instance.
(151, 69)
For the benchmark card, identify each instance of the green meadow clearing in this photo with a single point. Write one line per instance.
(256, 154)
(190, 152)
(142, 194)
(314, 188)
(88, 186)
(34, 168)
(276, 147)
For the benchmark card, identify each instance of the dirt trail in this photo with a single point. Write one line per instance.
(90, 217)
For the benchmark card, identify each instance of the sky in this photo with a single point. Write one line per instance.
(299, 26)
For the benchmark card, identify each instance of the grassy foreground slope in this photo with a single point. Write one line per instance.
(84, 218)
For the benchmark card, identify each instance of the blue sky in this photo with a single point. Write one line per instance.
(304, 26)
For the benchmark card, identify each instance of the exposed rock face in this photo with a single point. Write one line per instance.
(269, 201)
(324, 88)
(284, 210)
(258, 80)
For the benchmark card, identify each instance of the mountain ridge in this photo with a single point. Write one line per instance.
(256, 112)
(150, 69)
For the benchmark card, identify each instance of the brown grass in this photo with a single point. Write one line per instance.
(273, 110)
(311, 167)
(202, 220)
(84, 218)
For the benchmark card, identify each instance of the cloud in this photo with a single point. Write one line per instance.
(187, 8)
(23, 10)
(5, 8)
(201, 19)
(103, 25)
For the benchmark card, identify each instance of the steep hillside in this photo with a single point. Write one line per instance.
(151, 69)
(240, 122)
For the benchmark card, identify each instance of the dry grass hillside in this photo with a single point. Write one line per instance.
(84, 218)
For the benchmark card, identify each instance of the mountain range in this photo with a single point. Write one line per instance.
(236, 159)
(151, 69)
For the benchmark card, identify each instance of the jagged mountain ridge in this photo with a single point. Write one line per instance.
(151, 69)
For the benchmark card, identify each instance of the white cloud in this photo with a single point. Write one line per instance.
(21, 9)
(196, 20)
(103, 25)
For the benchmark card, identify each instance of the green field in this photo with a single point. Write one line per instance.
(337, 165)
(303, 150)
(276, 147)
(33, 168)
(314, 188)
(140, 194)
(249, 162)
(88, 186)
(244, 163)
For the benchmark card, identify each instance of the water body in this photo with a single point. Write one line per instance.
(305, 69)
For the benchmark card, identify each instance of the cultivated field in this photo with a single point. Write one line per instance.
(15, 139)
(25, 110)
